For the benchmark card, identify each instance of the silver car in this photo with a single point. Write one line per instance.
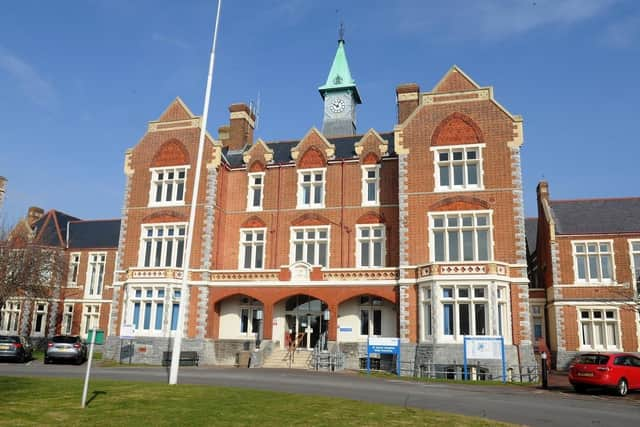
(65, 348)
(15, 347)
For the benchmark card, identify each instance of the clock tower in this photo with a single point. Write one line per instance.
(340, 96)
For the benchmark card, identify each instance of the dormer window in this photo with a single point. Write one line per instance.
(311, 188)
(255, 191)
(168, 186)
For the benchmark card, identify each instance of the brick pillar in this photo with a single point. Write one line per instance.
(267, 319)
(333, 323)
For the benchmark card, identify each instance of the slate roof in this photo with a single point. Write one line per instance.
(94, 234)
(51, 228)
(531, 233)
(282, 149)
(596, 216)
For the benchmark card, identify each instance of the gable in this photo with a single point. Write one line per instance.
(455, 81)
(177, 110)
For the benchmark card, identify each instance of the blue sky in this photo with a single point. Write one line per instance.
(79, 80)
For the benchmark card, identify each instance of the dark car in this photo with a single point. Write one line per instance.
(618, 371)
(65, 348)
(15, 347)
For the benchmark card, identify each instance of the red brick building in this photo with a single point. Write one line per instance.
(415, 232)
(588, 271)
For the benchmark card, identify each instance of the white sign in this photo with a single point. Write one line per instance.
(127, 332)
(479, 348)
(300, 272)
(383, 341)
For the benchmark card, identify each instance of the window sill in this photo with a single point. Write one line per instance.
(301, 207)
(457, 189)
(165, 204)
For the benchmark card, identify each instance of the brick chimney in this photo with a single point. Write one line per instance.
(408, 99)
(543, 191)
(241, 124)
(223, 135)
(34, 213)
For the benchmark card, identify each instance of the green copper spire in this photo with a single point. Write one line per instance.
(339, 78)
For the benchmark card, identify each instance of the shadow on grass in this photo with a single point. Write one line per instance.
(94, 395)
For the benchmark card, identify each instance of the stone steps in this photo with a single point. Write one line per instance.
(279, 358)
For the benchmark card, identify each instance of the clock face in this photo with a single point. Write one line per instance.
(337, 105)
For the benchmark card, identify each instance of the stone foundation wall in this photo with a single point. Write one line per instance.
(149, 350)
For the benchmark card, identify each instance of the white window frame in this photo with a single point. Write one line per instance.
(635, 269)
(165, 183)
(372, 305)
(67, 319)
(253, 308)
(460, 228)
(450, 149)
(371, 240)
(90, 318)
(313, 188)
(616, 321)
(74, 269)
(306, 241)
(10, 316)
(586, 254)
(252, 187)
(42, 313)
(94, 288)
(176, 228)
(168, 295)
(366, 180)
(426, 316)
(254, 244)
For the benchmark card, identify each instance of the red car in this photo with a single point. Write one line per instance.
(620, 371)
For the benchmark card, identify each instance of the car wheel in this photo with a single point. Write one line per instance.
(22, 358)
(623, 388)
(47, 361)
(579, 388)
(78, 360)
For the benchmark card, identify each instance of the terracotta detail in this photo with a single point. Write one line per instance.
(312, 158)
(170, 153)
(253, 222)
(459, 203)
(164, 216)
(257, 166)
(371, 218)
(310, 219)
(370, 159)
(457, 129)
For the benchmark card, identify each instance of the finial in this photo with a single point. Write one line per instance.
(341, 32)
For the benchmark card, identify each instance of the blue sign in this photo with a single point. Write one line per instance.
(380, 345)
(346, 329)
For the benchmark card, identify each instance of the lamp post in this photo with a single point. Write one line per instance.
(543, 358)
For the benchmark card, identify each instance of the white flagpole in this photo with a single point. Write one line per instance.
(177, 341)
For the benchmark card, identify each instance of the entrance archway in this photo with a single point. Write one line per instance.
(305, 320)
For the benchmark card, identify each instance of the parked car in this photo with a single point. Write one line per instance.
(15, 347)
(619, 371)
(65, 348)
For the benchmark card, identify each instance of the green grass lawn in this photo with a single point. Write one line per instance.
(48, 401)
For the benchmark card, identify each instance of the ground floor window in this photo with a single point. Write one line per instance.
(537, 320)
(67, 319)
(464, 310)
(10, 317)
(38, 325)
(427, 313)
(599, 329)
(90, 318)
(153, 310)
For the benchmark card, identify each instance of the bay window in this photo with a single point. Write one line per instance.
(153, 309)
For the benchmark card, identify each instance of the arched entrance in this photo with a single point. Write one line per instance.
(306, 320)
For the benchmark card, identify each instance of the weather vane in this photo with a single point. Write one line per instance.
(341, 31)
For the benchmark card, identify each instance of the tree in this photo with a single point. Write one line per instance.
(28, 269)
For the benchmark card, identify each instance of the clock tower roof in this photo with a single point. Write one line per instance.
(339, 78)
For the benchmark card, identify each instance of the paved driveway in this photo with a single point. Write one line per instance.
(517, 404)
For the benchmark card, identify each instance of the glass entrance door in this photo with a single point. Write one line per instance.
(304, 320)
